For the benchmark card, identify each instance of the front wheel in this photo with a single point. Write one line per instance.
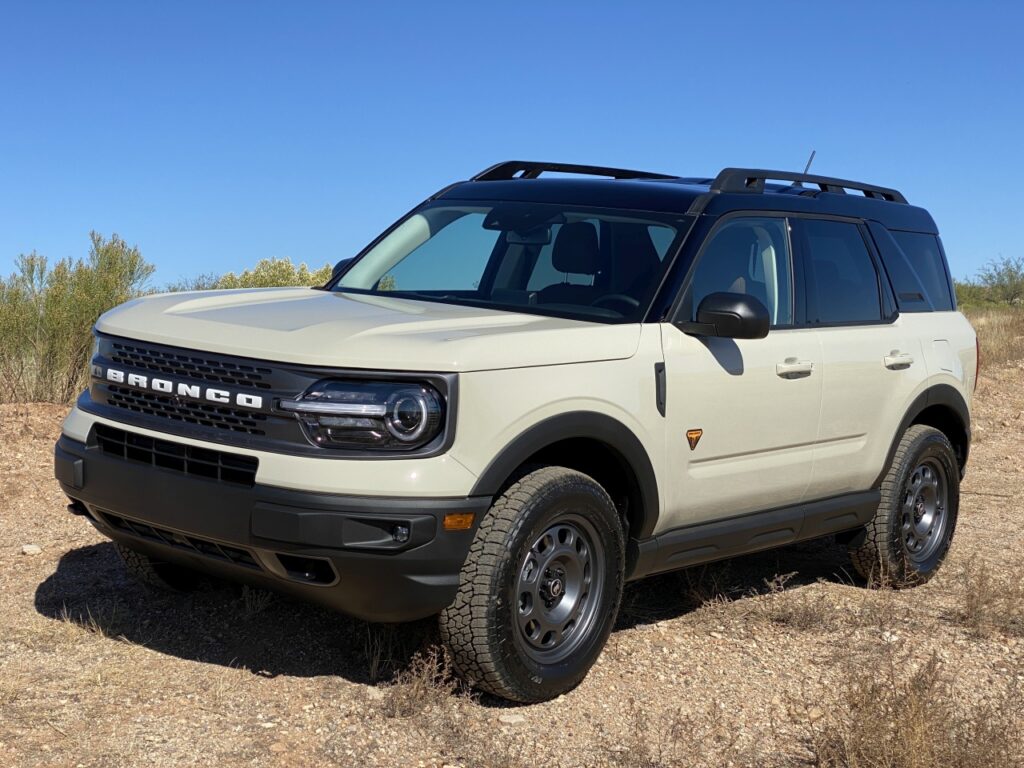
(540, 589)
(907, 540)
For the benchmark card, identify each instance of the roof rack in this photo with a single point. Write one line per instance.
(752, 180)
(524, 169)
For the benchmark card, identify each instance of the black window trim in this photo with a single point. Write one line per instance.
(886, 299)
(798, 306)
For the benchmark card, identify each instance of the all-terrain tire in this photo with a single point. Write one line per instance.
(168, 577)
(896, 548)
(514, 571)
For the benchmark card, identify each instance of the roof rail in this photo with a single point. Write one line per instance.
(752, 180)
(531, 170)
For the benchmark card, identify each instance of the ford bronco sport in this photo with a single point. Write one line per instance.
(529, 391)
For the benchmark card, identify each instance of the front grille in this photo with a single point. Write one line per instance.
(184, 364)
(205, 547)
(201, 414)
(187, 459)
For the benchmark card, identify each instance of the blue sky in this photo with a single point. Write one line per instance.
(215, 134)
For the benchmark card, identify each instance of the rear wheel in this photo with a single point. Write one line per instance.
(907, 540)
(540, 589)
(168, 577)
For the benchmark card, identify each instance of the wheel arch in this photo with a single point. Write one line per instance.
(594, 443)
(943, 408)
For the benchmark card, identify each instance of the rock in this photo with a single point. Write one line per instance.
(511, 719)
(31, 549)
(375, 694)
(717, 635)
(278, 746)
(814, 714)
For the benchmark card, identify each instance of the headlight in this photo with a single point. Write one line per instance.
(374, 415)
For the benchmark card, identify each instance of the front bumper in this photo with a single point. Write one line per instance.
(345, 552)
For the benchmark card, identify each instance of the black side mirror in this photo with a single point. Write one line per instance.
(729, 315)
(340, 267)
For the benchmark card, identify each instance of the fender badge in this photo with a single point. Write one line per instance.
(693, 437)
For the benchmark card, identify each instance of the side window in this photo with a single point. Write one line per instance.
(842, 280)
(751, 256)
(466, 237)
(925, 256)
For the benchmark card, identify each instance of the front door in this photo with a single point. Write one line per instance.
(741, 414)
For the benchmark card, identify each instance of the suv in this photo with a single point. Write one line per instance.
(529, 391)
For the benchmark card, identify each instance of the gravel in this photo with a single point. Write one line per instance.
(731, 664)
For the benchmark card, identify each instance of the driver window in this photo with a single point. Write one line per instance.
(750, 256)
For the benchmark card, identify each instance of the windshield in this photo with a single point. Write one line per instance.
(590, 264)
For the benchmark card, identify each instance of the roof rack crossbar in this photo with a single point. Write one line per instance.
(752, 180)
(524, 169)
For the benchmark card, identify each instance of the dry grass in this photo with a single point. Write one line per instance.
(899, 711)
(1001, 333)
(672, 740)
(991, 602)
(718, 666)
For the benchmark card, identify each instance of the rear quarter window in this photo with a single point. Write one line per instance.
(924, 254)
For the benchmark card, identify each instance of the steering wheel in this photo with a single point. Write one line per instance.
(612, 298)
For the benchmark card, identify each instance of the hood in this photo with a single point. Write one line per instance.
(311, 327)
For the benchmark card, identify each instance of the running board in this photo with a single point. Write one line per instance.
(734, 536)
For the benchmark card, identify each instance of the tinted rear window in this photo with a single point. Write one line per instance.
(842, 277)
(925, 256)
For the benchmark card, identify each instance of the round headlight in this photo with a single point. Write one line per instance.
(410, 412)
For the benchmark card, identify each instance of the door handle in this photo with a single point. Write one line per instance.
(791, 368)
(897, 360)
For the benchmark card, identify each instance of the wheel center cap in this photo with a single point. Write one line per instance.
(555, 588)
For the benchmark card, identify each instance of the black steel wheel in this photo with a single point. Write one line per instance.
(907, 540)
(540, 590)
(558, 589)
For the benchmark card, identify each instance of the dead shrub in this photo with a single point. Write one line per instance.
(991, 603)
(889, 717)
(804, 610)
(667, 741)
(426, 686)
(255, 600)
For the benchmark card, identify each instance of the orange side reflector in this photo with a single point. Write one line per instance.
(458, 521)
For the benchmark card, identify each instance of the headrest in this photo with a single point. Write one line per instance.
(576, 250)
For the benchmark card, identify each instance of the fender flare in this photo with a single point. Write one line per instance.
(578, 424)
(940, 394)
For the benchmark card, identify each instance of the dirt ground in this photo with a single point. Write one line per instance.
(749, 662)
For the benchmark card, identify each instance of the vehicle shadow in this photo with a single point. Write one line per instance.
(273, 635)
(225, 624)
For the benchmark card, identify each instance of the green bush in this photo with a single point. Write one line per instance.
(270, 273)
(47, 314)
(998, 283)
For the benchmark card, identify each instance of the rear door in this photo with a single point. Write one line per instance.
(872, 361)
(741, 414)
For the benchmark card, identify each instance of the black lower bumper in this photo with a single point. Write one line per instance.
(379, 559)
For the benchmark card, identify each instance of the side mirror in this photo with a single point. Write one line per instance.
(730, 315)
(340, 267)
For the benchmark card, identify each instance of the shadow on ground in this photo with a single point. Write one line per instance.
(280, 636)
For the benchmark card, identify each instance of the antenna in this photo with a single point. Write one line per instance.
(809, 161)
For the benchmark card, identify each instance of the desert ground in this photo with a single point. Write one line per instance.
(777, 659)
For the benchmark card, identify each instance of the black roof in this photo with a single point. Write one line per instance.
(731, 190)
